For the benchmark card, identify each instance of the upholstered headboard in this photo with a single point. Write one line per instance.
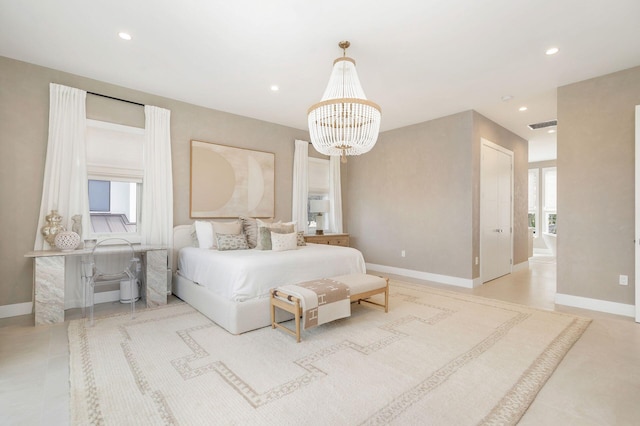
(181, 238)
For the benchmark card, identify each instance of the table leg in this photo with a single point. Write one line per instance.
(49, 290)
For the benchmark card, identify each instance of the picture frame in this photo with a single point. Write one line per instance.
(227, 182)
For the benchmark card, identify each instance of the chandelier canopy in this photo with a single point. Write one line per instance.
(344, 122)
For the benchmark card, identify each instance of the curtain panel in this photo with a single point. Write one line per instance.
(300, 196)
(157, 190)
(65, 173)
(335, 195)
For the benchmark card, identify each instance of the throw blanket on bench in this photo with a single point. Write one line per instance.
(322, 300)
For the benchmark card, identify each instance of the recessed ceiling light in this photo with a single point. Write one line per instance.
(124, 36)
(552, 51)
(274, 88)
(522, 108)
(507, 98)
(551, 131)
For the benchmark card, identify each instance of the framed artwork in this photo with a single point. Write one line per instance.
(228, 181)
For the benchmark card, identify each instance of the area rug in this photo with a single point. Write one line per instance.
(437, 358)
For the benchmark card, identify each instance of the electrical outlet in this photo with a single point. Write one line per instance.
(476, 260)
(623, 280)
(402, 253)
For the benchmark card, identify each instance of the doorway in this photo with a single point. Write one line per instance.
(496, 211)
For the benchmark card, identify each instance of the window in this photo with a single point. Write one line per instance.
(533, 200)
(115, 171)
(113, 206)
(318, 188)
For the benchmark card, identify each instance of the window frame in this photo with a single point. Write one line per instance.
(317, 192)
(114, 173)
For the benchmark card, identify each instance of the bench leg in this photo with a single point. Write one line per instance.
(273, 313)
(297, 315)
(386, 297)
(292, 305)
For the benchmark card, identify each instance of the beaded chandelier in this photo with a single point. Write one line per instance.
(344, 122)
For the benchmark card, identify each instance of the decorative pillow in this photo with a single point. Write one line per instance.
(232, 242)
(263, 241)
(234, 227)
(264, 236)
(300, 239)
(266, 222)
(282, 242)
(250, 229)
(204, 233)
(194, 236)
(288, 227)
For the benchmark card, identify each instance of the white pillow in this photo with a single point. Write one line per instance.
(282, 242)
(208, 229)
(204, 232)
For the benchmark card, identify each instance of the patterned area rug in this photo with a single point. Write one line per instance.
(437, 357)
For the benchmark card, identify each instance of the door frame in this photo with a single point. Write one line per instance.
(488, 143)
(637, 213)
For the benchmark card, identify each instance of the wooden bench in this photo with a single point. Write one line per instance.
(361, 288)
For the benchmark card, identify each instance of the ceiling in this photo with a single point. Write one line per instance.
(418, 59)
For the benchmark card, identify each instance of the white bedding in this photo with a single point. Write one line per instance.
(240, 275)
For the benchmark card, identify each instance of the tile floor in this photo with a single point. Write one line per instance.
(598, 382)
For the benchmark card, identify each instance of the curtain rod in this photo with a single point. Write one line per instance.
(116, 99)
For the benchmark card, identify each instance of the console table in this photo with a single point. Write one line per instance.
(48, 277)
(331, 239)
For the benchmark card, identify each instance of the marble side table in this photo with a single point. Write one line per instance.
(48, 277)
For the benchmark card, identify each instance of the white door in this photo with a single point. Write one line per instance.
(496, 189)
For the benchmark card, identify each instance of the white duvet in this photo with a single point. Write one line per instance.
(240, 275)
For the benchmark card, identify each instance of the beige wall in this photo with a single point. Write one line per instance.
(418, 190)
(596, 186)
(24, 109)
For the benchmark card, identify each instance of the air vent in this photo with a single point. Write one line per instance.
(536, 126)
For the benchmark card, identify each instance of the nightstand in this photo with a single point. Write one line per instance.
(331, 239)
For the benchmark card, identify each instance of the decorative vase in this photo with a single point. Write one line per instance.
(52, 227)
(67, 240)
(77, 224)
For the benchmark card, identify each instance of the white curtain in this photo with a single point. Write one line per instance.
(65, 173)
(300, 185)
(335, 195)
(157, 188)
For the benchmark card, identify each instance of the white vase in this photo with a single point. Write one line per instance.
(67, 240)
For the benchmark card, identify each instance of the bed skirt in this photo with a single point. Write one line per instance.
(235, 317)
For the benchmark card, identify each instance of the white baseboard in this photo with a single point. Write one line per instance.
(596, 305)
(107, 296)
(443, 279)
(16, 309)
(520, 266)
(100, 297)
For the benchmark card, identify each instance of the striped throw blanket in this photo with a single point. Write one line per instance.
(322, 300)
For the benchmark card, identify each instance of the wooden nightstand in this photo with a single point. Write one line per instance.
(331, 239)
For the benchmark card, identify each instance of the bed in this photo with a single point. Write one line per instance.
(232, 287)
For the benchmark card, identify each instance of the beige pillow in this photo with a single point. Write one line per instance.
(227, 228)
(287, 227)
